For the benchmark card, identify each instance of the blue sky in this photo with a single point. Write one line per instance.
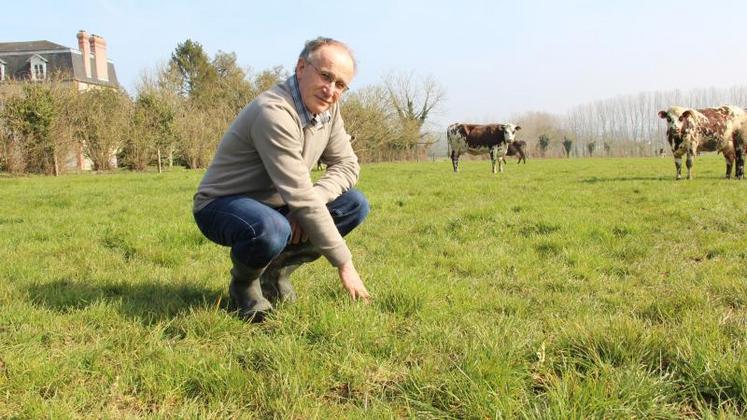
(493, 58)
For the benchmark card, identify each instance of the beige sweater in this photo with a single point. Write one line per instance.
(267, 155)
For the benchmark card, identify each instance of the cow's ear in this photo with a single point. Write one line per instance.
(518, 127)
(662, 114)
(686, 115)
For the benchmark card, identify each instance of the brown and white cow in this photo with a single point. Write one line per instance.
(690, 131)
(719, 129)
(477, 139)
(516, 148)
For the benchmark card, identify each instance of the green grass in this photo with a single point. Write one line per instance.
(558, 289)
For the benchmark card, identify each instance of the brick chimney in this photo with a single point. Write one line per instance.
(98, 49)
(85, 50)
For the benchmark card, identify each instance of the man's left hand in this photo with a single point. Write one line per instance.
(297, 234)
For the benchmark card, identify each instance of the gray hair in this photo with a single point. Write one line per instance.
(312, 46)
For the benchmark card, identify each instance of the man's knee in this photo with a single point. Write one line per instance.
(352, 203)
(267, 239)
(349, 210)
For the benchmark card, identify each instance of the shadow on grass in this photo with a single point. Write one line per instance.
(150, 303)
(597, 179)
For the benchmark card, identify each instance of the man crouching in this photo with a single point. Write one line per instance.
(257, 195)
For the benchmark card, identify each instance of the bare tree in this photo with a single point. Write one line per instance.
(198, 132)
(413, 102)
(538, 125)
(368, 119)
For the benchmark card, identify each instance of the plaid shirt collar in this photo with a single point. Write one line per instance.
(307, 118)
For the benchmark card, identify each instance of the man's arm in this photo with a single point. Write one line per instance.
(279, 142)
(342, 164)
(280, 145)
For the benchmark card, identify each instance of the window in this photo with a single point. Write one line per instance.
(37, 67)
(40, 71)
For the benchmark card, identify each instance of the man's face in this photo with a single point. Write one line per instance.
(323, 78)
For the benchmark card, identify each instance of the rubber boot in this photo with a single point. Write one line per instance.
(275, 280)
(245, 291)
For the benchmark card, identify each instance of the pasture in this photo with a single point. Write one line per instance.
(557, 289)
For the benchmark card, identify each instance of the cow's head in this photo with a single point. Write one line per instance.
(509, 132)
(674, 125)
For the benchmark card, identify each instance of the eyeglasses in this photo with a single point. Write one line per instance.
(329, 78)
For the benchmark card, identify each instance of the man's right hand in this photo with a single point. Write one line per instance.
(352, 282)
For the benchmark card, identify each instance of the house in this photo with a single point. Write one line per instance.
(86, 66)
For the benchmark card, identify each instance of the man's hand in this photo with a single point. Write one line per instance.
(297, 233)
(352, 282)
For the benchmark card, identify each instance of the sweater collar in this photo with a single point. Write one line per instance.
(316, 120)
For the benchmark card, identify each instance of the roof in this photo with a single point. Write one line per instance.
(29, 46)
(28, 60)
(15, 56)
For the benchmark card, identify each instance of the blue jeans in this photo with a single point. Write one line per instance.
(257, 233)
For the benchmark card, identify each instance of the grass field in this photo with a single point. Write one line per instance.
(558, 289)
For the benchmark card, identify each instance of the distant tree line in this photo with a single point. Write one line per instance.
(179, 113)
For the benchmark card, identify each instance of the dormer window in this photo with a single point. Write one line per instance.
(37, 67)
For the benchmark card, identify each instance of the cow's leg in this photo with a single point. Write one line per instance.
(689, 164)
(500, 153)
(738, 141)
(493, 157)
(455, 160)
(729, 157)
(678, 166)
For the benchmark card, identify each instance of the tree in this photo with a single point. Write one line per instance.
(543, 143)
(232, 89)
(152, 130)
(567, 144)
(590, 146)
(103, 125)
(29, 118)
(35, 120)
(536, 123)
(193, 73)
(368, 119)
(413, 102)
(197, 133)
(266, 79)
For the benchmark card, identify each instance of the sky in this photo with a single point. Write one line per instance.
(494, 59)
